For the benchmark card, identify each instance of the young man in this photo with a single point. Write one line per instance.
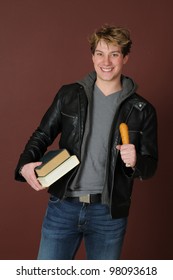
(92, 201)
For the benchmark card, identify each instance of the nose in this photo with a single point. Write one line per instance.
(107, 60)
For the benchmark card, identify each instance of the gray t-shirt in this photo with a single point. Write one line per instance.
(93, 168)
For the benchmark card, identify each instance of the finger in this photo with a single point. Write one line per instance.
(36, 187)
(33, 182)
(38, 163)
(118, 147)
(126, 157)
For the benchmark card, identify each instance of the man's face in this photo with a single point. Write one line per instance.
(108, 61)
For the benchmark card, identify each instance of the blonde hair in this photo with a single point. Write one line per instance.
(111, 35)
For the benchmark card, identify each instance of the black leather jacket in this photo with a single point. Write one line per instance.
(67, 116)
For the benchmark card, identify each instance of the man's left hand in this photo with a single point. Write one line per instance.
(128, 154)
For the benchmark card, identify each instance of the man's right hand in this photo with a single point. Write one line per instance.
(29, 174)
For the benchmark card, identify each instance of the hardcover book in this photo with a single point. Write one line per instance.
(55, 164)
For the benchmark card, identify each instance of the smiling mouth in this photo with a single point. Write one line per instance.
(106, 69)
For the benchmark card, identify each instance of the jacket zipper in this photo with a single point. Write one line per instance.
(67, 115)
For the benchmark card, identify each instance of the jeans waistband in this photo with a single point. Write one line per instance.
(88, 198)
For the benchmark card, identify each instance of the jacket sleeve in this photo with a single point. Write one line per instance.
(43, 136)
(147, 156)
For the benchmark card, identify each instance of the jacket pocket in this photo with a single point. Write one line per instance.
(70, 127)
(68, 115)
(69, 121)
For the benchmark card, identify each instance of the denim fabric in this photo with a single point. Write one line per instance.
(66, 223)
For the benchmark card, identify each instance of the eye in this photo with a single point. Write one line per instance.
(99, 54)
(115, 54)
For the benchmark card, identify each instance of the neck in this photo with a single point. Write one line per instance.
(108, 87)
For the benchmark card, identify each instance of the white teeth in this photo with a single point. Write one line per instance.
(106, 69)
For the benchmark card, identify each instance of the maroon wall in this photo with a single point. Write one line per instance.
(43, 44)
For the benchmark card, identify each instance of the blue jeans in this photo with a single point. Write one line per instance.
(66, 223)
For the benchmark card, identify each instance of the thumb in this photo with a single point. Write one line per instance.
(35, 164)
(118, 147)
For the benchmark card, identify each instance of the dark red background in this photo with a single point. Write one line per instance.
(43, 44)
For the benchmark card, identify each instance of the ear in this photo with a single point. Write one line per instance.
(126, 58)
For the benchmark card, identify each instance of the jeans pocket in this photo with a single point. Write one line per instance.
(53, 199)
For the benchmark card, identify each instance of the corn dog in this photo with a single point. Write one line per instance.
(124, 136)
(124, 133)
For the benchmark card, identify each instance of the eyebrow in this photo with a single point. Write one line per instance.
(97, 50)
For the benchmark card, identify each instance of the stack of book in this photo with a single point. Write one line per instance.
(55, 164)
